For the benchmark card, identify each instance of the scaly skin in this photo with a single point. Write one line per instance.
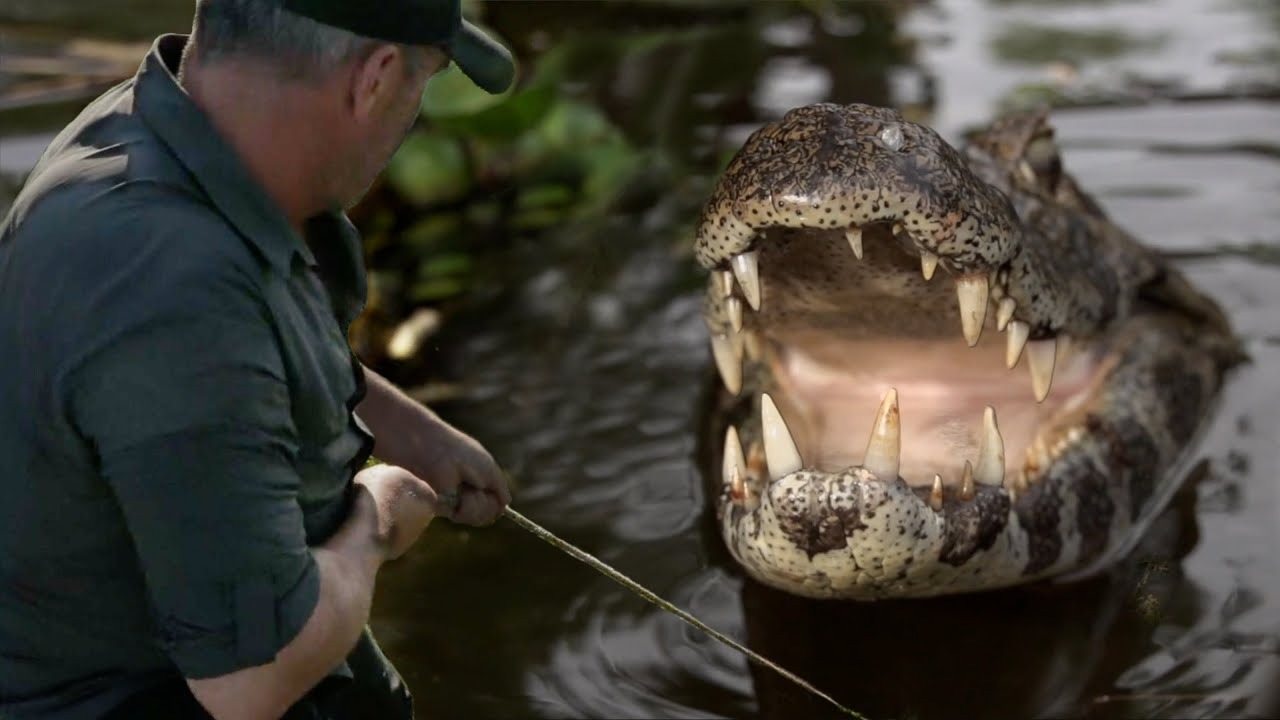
(1001, 214)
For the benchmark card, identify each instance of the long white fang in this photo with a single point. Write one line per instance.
(1004, 313)
(990, 469)
(884, 448)
(1018, 334)
(724, 282)
(967, 490)
(1041, 356)
(972, 292)
(733, 306)
(728, 356)
(734, 467)
(935, 495)
(928, 264)
(780, 452)
(746, 267)
(854, 236)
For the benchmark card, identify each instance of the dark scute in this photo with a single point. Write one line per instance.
(1185, 392)
(1131, 450)
(1094, 511)
(1037, 510)
(974, 525)
(806, 517)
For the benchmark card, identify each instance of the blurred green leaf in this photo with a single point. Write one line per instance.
(609, 169)
(451, 94)
(430, 168)
(432, 232)
(543, 196)
(436, 289)
(572, 124)
(506, 120)
(537, 218)
(445, 264)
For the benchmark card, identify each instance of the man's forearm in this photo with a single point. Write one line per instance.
(348, 565)
(458, 468)
(389, 413)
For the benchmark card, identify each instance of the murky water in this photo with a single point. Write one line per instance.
(583, 365)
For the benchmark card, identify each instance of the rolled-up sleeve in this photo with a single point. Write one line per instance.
(187, 409)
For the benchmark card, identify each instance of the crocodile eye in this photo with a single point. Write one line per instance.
(891, 137)
(1042, 154)
(1041, 163)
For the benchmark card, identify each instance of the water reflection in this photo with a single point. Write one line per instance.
(1033, 44)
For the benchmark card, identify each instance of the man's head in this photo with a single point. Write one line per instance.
(360, 92)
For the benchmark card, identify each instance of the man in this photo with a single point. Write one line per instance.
(185, 528)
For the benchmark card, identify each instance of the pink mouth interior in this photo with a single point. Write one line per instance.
(830, 387)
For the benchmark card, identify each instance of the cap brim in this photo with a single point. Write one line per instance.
(482, 59)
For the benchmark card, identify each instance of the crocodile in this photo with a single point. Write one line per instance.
(870, 451)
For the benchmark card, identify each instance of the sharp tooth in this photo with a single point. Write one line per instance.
(746, 267)
(780, 452)
(928, 264)
(1041, 355)
(1004, 313)
(967, 490)
(883, 449)
(972, 292)
(724, 282)
(854, 236)
(935, 495)
(734, 468)
(733, 306)
(1018, 334)
(751, 343)
(990, 470)
(728, 357)
(1066, 350)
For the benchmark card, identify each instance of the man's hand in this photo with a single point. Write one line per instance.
(401, 504)
(471, 487)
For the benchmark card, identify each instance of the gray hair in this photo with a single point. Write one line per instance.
(298, 47)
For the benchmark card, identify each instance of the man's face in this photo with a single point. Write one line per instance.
(389, 121)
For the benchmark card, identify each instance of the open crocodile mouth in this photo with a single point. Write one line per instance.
(885, 362)
(873, 295)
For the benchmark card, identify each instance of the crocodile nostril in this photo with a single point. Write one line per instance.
(891, 137)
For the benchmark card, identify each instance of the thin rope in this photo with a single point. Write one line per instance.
(635, 587)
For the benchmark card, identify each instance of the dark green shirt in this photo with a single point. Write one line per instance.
(176, 391)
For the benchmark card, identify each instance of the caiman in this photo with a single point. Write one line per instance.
(872, 451)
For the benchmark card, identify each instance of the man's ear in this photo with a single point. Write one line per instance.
(372, 85)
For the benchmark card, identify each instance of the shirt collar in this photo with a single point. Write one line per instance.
(190, 135)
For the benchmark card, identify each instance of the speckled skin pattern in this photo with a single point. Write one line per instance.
(1003, 207)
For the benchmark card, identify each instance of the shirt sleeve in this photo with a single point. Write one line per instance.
(187, 409)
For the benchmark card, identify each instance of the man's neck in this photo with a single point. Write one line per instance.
(271, 126)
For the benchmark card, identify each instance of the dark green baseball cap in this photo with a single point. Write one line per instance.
(420, 22)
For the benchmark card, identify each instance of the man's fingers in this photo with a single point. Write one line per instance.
(485, 475)
(477, 508)
(448, 503)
